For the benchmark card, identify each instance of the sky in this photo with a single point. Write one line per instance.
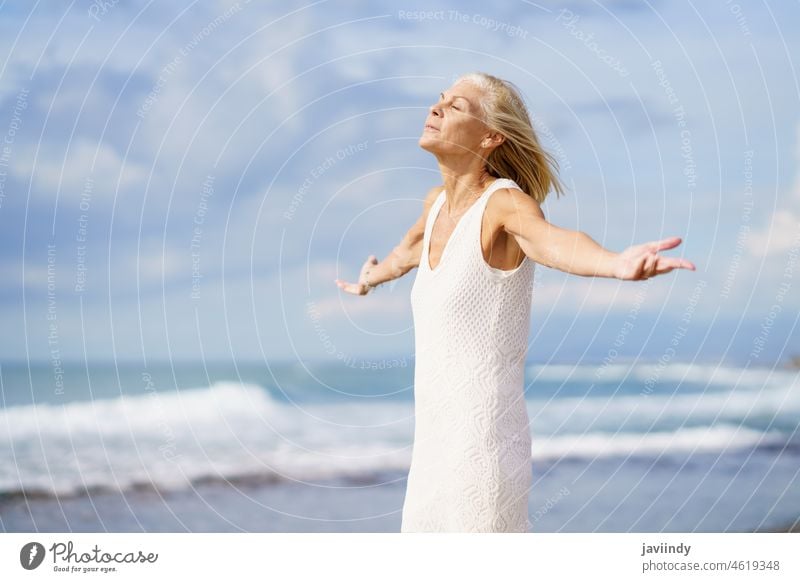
(185, 180)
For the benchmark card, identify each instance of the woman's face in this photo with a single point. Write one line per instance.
(454, 124)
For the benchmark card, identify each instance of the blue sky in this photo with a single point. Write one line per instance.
(271, 148)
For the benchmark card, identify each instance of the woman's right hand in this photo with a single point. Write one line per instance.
(359, 288)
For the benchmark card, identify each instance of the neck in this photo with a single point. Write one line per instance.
(465, 178)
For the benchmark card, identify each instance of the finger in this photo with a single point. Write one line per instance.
(649, 268)
(638, 269)
(684, 264)
(666, 264)
(344, 285)
(666, 243)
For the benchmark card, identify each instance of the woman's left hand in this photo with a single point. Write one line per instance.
(642, 261)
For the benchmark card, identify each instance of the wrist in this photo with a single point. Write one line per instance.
(611, 266)
(368, 281)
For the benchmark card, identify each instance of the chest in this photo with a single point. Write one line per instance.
(499, 249)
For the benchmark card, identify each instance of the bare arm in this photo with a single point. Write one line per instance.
(575, 252)
(404, 257)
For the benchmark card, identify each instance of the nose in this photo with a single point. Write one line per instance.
(436, 110)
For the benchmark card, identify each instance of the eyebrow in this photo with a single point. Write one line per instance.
(455, 97)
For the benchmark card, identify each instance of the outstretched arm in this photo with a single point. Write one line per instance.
(404, 257)
(575, 252)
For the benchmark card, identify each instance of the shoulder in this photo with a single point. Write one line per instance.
(509, 203)
(430, 198)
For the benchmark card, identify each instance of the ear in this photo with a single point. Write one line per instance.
(492, 140)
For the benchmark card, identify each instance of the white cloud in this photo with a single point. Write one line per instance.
(782, 233)
(54, 171)
(155, 263)
(340, 306)
(599, 295)
(428, 54)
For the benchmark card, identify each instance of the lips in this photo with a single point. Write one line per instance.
(432, 128)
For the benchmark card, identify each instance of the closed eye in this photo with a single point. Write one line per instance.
(442, 97)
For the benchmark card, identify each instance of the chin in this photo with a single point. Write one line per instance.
(427, 143)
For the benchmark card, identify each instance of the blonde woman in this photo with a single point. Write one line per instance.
(475, 245)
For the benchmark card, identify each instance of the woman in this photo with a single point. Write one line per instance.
(476, 243)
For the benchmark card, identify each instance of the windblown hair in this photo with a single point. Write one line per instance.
(520, 157)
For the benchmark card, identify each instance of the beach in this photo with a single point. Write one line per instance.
(609, 495)
(703, 449)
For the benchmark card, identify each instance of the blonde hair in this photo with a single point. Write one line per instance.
(520, 157)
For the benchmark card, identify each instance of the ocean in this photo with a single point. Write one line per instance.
(195, 446)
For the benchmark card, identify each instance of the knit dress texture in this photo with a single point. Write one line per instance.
(471, 457)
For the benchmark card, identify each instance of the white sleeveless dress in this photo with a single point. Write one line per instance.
(471, 458)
